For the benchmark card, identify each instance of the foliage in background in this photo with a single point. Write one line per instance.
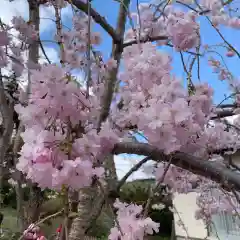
(135, 191)
(8, 194)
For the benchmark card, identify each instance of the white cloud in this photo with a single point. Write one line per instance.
(47, 16)
(14, 8)
(20, 8)
(125, 162)
(9, 9)
(51, 53)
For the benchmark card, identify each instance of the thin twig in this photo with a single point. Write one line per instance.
(150, 199)
(98, 19)
(147, 39)
(45, 219)
(43, 51)
(89, 49)
(131, 171)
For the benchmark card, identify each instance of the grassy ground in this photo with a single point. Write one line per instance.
(10, 219)
(10, 223)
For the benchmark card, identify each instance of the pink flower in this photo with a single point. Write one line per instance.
(230, 53)
(130, 223)
(184, 33)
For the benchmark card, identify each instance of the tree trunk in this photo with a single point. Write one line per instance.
(36, 197)
(6, 129)
(33, 56)
(34, 204)
(91, 202)
(81, 223)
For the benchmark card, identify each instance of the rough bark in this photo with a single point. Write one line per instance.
(86, 203)
(36, 197)
(82, 223)
(18, 187)
(32, 209)
(81, 5)
(6, 109)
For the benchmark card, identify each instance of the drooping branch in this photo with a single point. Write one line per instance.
(97, 18)
(131, 171)
(209, 169)
(147, 39)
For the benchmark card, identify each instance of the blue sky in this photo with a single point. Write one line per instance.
(110, 10)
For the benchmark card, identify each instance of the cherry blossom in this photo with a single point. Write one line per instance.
(130, 224)
(65, 143)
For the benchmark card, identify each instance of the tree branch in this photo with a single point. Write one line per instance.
(208, 169)
(57, 214)
(148, 39)
(79, 227)
(223, 113)
(43, 51)
(116, 54)
(97, 18)
(156, 188)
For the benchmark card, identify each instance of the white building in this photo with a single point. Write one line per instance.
(224, 226)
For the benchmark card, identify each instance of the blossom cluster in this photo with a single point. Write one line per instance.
(33, 232)
(156, 102)
(62, 145)
(130, 224)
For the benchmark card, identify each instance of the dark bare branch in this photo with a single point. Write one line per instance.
(223, 113)
(148, 39)
(97, 18)
(209, 169)
(131, 171)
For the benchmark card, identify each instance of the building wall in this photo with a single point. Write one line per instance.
(235, 158)
(186, 207)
